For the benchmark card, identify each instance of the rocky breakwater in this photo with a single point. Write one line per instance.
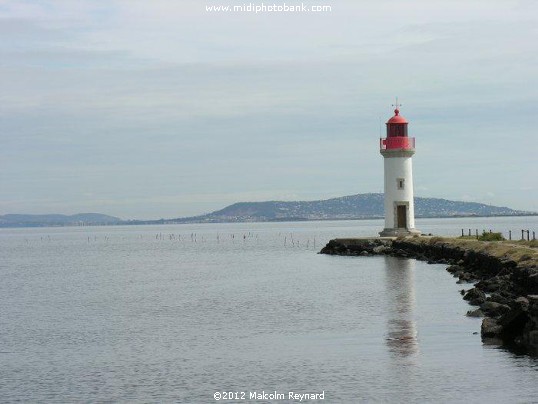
(503, 276)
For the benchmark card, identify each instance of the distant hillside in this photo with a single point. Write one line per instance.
(361, 206)
(80, 219)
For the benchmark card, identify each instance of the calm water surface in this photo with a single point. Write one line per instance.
(176, 313)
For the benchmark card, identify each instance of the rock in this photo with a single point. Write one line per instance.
(475, 296)
(401, 253)
(533, 283)
(364, 253)
(497, 298)
(477, 302)
(508, 263)
(475, 313)
(490, 328)
(381, 249)
(531, 341)
(462, 292)
(530, 332)
(522, 302)
(494, 284)
(494, 309)
(513, 323)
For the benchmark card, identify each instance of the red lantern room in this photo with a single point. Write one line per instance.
(397, 125)
(397, 138)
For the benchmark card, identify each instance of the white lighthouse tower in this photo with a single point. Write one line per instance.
(397, 150)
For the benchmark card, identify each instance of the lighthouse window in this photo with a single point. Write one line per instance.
(400, 183)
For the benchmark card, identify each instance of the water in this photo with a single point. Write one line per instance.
(134, 314)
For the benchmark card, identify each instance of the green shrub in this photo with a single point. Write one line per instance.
(491, 237)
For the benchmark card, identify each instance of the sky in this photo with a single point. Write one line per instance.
(161, 109)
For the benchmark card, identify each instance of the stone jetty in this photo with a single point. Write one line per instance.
(503, 277)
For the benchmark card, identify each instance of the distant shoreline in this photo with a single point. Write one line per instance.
(284, 220)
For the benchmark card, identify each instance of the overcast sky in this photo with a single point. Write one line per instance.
(149, 109)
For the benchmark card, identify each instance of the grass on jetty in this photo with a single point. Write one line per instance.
(522, 251)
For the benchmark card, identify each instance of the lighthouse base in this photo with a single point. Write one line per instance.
(399, 232)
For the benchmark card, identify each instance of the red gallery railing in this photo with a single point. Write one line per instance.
(397, 142)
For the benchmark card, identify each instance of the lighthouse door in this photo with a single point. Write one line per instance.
(401, 212)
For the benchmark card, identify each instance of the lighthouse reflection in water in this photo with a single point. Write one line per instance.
(401, 326)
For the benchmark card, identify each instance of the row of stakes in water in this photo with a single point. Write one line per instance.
(245, 237)
(287, 239)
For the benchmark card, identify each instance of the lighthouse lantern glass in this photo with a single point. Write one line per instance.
(396, 130)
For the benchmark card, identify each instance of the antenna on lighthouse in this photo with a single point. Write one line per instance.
(397, 105)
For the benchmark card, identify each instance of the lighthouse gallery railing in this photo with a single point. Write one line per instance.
(397, 142)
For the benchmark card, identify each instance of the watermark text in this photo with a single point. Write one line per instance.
(258, 8)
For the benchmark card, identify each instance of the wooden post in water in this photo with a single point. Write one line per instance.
(509, 234)
(477, 234)
(462, 232)
(528, 236)
(469, 232)
(522, 234)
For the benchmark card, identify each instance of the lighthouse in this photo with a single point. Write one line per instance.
(397, 150)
